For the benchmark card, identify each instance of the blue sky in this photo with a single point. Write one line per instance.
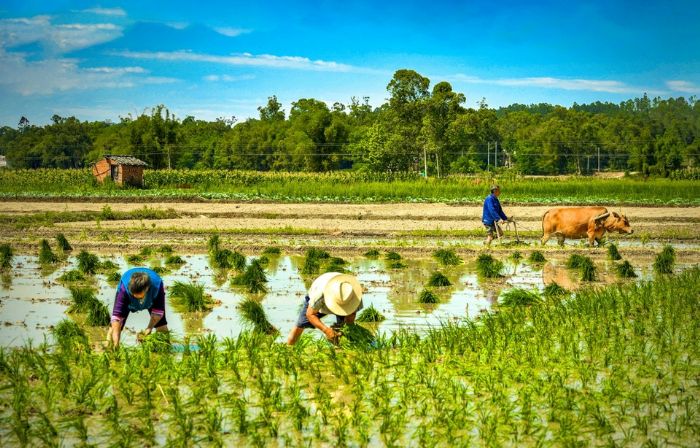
(104, 60)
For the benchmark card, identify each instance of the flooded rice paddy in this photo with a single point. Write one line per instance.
(32, 300)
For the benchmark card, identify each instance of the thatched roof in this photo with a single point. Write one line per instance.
(125, 160)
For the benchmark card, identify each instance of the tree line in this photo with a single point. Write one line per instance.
(419, 128)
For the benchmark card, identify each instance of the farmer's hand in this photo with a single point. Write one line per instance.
(142, 334)
(331, 334)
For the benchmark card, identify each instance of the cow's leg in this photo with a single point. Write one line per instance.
(560, 240)
(545, 238)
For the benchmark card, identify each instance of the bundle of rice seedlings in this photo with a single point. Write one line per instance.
(253, 278)
(6, 255)
(553, 290)
(625, 270)
(190, 296)
(160, 270)
(107, 266)
(311, 266)
(356, 336)
(588, 270)
(438, 279)
(237, 260)
(520, 297)
(336, 264)
(135, 259)
(146, 252)
(536, 257)
(67, 333)
(319, 254)
(252, 312)
(264, 260)
(613, 253)
(272, 251)
(392, 256)
(447, 257)
(396, 265)
(97, 314)
(62, 243)
(214, 243)
(488, 267)
(157, 342)
(87, 262)
(516, 256)
(575, 261)
(81, 299)
(114, 277)
(165, 249)
(220, 258)
(427, 296)
(174, 259)
(71, 276)
(372, 253)
(46, 255)
(370, 314)
(665, 260)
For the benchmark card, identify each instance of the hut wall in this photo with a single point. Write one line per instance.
(131, 175)
(101, 170)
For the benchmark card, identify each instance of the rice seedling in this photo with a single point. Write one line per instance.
(356, 336)
(46, 255)
(336, 264)
(87, 263)
(536, 257)
(157, 342)
(67, 329)
(520, 297)
(62, 243)
(253, 278)
(427, 296)
(588, 270)
(107, 266)
(272, 251)
(516, 256)
(174, 259)
(625, 270)
(71, 276)
(553, 290)
(146, 251)
(487, 266)
(214, 243)
(81, 299)
(160, 270)
(190, 296)
(237, 260)
(114, 277)
(165, 249)
(438, 279)
(252, 312)
(447, 257)
(370, 314)
(396, 265)
(97, 314)
(312, 260)
(135, 259)
(613, 253)
(392, 256)
(6, 255)
(372, 253)
(575, 261)
(663, 264)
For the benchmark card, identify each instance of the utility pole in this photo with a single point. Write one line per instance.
(495, 155)
(598, 159)
(488, 155)
(425, 162)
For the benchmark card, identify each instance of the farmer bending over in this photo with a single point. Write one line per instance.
(330, 293)
(492, 214)
(139, 289)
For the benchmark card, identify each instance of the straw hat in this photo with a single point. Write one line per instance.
(341, 292)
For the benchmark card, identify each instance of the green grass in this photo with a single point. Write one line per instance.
(356, 187)
(370, 314)
(252, 312)
(663, 264)
(613, 366)
(520, 297)
(447, 257)
(190, 297)
(488, 267)
(427, 296)
(438, 279)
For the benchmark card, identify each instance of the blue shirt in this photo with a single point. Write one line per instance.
(151, 294)
(492, 211)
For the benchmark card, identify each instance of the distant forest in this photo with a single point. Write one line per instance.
(417, 127)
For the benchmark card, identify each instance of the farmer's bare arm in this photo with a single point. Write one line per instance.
(116, 332)
(312, 316)
(350, 318)
(154, 320)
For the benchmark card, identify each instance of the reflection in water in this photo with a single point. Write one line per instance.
(31, 304)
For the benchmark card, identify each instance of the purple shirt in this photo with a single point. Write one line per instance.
(121, 304)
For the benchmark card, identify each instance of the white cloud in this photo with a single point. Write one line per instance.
(62, 74)
(116, 12)
(245, 59)
(547, 82)
(228, 78)
(57, 39)
(683, 86)
(231, 32)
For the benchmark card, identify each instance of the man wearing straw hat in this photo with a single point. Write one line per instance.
(492, 214)
(330, 293)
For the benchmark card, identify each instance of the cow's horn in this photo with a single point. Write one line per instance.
(603, 216)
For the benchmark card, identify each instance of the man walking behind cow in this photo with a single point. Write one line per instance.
(492, 214)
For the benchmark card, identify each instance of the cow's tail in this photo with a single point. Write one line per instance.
(543, 218)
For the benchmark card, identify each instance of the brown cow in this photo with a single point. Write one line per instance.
(579, 222)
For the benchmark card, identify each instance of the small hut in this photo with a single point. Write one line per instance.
(123, 170)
